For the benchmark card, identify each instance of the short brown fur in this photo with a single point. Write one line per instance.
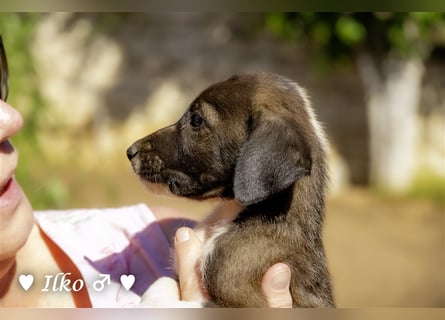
(252, 138)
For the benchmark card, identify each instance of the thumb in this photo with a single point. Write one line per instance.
(188, 249)
(276, 284)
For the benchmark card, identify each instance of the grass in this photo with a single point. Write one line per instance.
(429, 186)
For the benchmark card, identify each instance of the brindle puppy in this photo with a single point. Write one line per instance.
(252, 140)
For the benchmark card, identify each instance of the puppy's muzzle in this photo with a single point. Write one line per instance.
(138, 146)
(144, 160)
(132, 151)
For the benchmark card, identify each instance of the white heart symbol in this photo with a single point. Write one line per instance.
(127, 281)
(26, 281)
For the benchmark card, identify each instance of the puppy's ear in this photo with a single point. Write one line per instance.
(274, 156)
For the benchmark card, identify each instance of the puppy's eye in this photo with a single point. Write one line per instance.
(196, 120)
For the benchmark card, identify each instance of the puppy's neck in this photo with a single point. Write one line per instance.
(226, 211)
(277, 206)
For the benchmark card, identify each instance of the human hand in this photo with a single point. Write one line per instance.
(188, 247)
(275, 285)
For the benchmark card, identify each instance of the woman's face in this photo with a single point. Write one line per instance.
(16, 217)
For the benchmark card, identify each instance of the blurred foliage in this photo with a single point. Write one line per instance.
(42, 189)
(335, 38)
(426, 185)
(429, 186)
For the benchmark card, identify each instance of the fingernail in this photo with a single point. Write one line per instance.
(182, 235)
(281, 279)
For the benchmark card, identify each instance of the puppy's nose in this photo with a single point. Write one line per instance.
(132, 151)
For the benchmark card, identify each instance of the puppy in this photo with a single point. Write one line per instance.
(252, 140)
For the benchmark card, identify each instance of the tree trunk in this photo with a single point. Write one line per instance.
(393, 92)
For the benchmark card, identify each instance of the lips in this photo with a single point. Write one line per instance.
(11, 193)
(5, 186)
(10, 196)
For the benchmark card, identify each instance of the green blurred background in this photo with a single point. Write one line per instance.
(90, 84)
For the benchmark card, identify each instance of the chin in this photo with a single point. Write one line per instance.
(15, 233)
(157, 188)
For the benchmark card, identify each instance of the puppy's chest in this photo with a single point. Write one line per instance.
(221, 216)
(215, 225)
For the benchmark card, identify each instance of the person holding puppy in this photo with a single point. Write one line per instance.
(82, 247)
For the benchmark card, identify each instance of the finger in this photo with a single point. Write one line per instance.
(276, 284)
(188, 249)
(164, 293)
(161, 293)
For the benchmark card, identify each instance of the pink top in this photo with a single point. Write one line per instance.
(117, 241)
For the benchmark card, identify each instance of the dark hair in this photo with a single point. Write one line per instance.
(3, 72)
